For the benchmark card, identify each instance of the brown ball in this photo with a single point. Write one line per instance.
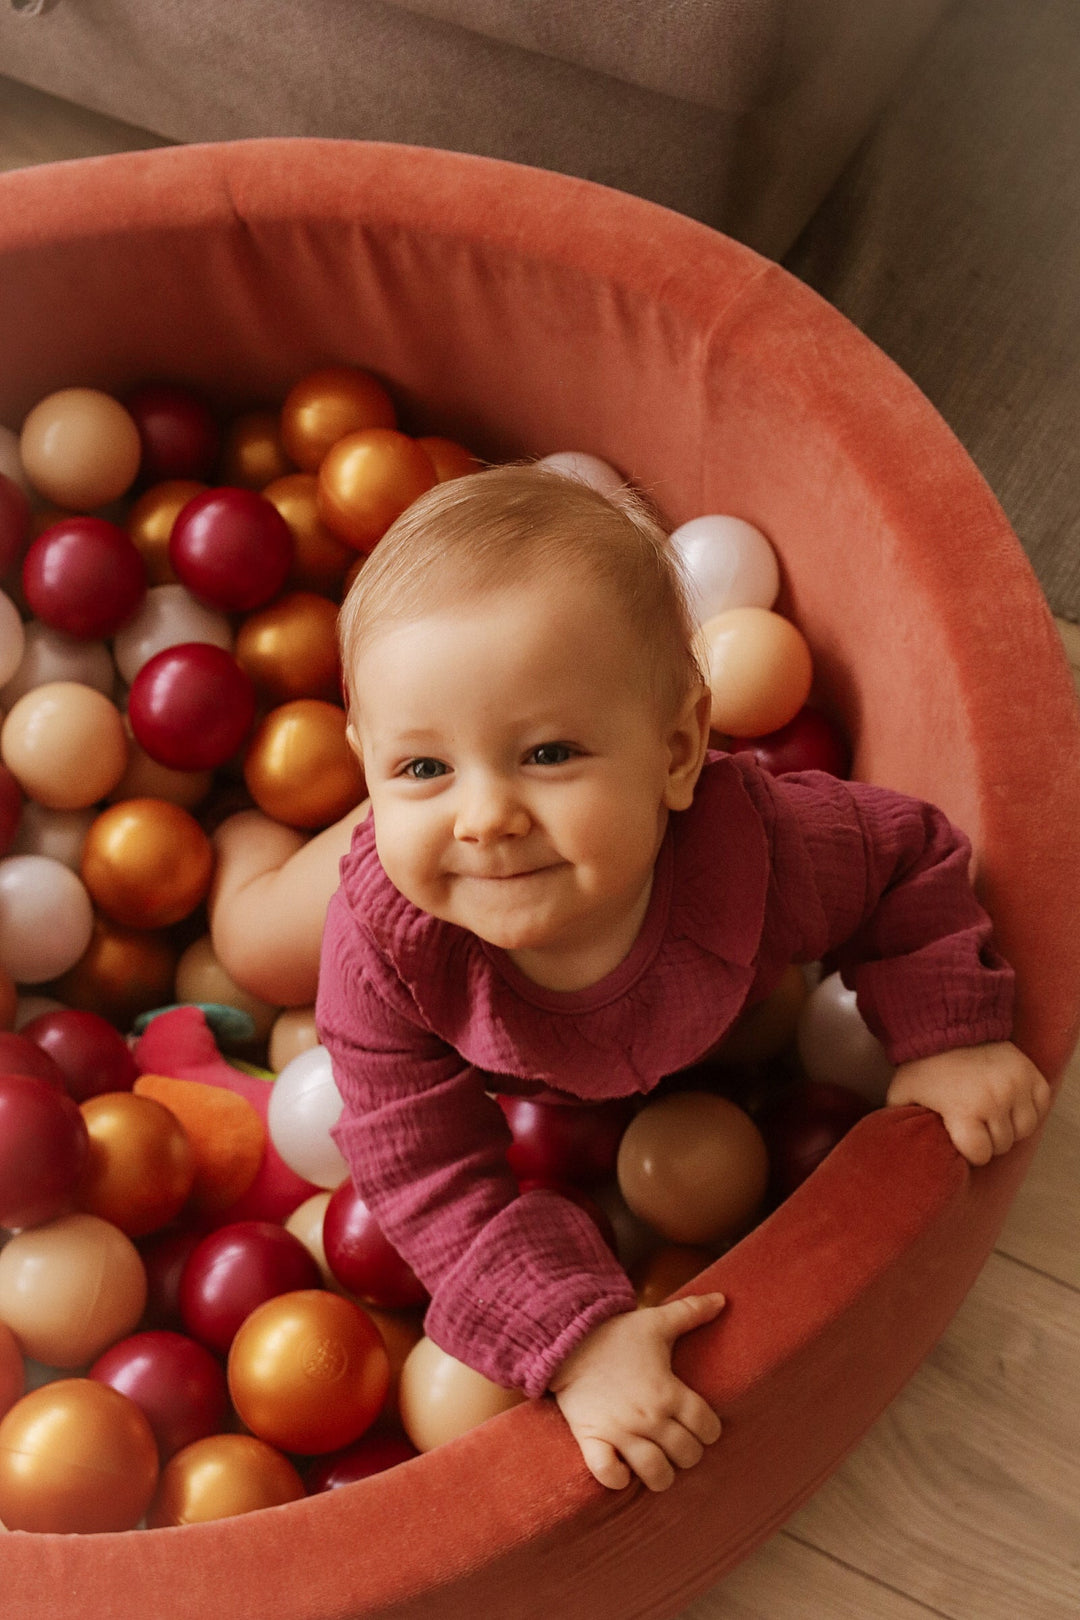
(694, 1166)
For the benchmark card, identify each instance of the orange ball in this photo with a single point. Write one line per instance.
(141, 1168)
(252, 453)
(450, 459)
(290, 648)
(219, 1477)
(760, 670)
(146, 863)
(326, 405)
(70, 1288)
(150, 524)
(320, 559)
(367, 480)
(12, 1369)
(441, 1398)
(65, 745)
(694, 1166)
(667, 1269)
(80, 448)
(123, 972)
(299, 767)
(308, 1371)
(76, 1456)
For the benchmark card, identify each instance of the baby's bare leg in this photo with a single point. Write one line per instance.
(267, 905)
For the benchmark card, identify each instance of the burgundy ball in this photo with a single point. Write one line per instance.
(191, 706)
(20, 1054)
(809, 742)
(371, 1454)
(803, 1126)
(362, 1259)
(236, 1268)
(562, 1142)
(84, 576)
(44, 1146)
(176, 1382)
(164, 1255)
(231, 548)
(14, 523)
(91, 1053)
(177, 430)
(11, 804)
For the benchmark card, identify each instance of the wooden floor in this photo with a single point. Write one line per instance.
(964, 1500)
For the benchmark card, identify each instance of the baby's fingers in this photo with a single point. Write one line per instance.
(604, 1464)
(680, 1316)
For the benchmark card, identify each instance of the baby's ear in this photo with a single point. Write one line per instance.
(352, 737)
(688, 742)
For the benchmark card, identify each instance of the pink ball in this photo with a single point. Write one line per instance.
(177, 431)
(84, 576)
(191, 706)
(44, 1147)
(231, 548)
(177, 1383)
(362, 1258)
(236, 1268)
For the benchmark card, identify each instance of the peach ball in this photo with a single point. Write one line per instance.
(289, 648)
(59, 834)
(141, 1167)
(694, 1166)
(46, 919)
(146, 778)
(150, 525)
(294, 1032)
(65, 745)
(71, 1288)
(80, 449)
(147, 863)
(760, 670)
(12, 638)
(49, 656)
(201, 977)
(441, 1398)
(219, 1477)
(306, 1223)
(326, 405)
(299, 767)
(367, 480)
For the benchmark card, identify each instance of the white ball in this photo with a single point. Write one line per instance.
(12, 638)
(46, 918)
(728, 563)
(587, 469)
(835, 1044)
(304, 1105)
(49, 655)
(32, 1006)
(169, 616)
(60, 834)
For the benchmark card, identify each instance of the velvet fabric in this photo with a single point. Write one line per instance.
(524, 312)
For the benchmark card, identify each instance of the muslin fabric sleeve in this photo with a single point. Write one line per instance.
(515, 1280)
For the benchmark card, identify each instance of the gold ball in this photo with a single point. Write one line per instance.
(141, 1167)
(150, 524)
(320, 559)
(290, 648)
(367, 480)
(450, 459)
(219, 1477)
(252, 454)
(326, 405)
(146, 863)
(122, 973)
(299, 767)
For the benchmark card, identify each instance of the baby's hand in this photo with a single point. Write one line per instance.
(988, 1096)
(627, 1410)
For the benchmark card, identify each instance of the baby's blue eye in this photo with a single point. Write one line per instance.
(425, 770)
(551, 754)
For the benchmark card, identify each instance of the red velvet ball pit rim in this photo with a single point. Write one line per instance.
(932, 644)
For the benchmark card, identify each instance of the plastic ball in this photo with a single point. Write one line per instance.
(20, 1054)
(727, 563)
(65, 744)
(14, 522)
(308, 1371)
(80, 448)
(200, 977)
(586, 469)
(169, 616)
(44, 1148)
(76, 1456)
(767, 1028)
(304, 1107)
(146, 778)
(164, 1256)
(49, 656)
(809, 742)
(449, 459)
(11, 462)
(289, 648)
(320, 559)
(178, 1385)
(123, 972)
(83, 576)
(71, 1288)
(177, 431)
(306, 1223)
(664, 1272)
(12, 805)
(299, 767)
(87, 1051)
(141, 1168)
(401, 1332)
(836, 1047)
(219, 1477)
(367, 480)
(46, 919)
(578, 1144)
(150, 524)
(231, 548)
(252, 454)
(191, 706)
(12, 1370)
(326, 405)
(361, 1257)
(12, 638)
(294, 1031)
(802, 1128)
(59, 834)
(147, 863)
(441, 1398)
(694, 1166)
(370, 1455)
(760, 670)
(236, 1268)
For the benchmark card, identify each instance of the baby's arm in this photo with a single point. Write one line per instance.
(626, 1409)
(988, 1096)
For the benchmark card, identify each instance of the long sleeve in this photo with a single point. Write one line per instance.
(516, 1281)
(877, 884)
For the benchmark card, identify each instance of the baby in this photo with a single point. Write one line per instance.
(561, 888)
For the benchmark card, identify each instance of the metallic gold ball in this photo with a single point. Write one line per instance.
(150, 523)
(141, 1167)
(450, 459)
(299, 768)
(326, 405)
(367, 480)
(146, 863)
(221, 1476)
(290, 648)
(122, 973)
(659, 1274)
(252, 453)
(320, 559)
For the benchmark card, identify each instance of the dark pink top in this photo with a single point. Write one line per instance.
(423, 1019)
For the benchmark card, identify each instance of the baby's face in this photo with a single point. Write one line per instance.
(520, 771)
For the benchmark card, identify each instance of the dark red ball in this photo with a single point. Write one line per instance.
(362, 1258)
(90, 1052)
(11, 805)
(191, 706)
(20, 1054)
(176, 1382)
(236, 1268)
(809, 742)
(231, 548)
(14, 523)
(177, 430)
(84, 576)
(564, 1142)
(372, 1454)
(803, 1126)
(164, 1255)
(44, 1146)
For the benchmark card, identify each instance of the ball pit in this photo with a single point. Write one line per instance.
(518, 312)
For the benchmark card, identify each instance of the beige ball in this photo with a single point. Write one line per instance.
(440, 1397)
(80, 449)
(70, 1289)
(294, 1032)
(65, 745)
(201, 977)
(694, 1166)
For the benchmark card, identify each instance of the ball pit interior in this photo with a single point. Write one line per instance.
(522, 312)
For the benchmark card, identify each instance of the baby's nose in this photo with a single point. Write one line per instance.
(489, 809)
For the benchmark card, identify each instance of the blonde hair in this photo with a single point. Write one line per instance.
(509, 525)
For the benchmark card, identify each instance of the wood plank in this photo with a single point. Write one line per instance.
(786, 1578)
(36, 128)
(1070, 635)
(966, 1494)
(1042, 1226)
